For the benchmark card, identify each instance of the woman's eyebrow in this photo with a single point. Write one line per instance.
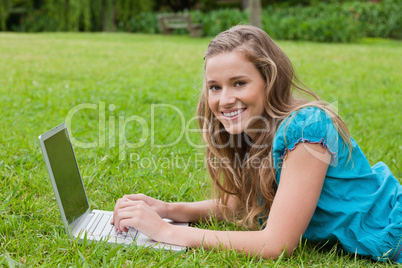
(211, 82)
(237, 77)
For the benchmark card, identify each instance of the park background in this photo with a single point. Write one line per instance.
(58, 54)
(311, 20)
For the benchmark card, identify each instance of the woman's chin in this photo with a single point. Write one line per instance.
(234, 131)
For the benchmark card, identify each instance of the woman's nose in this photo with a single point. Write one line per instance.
(227, 98)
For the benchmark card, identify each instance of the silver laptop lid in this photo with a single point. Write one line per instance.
(65, 176)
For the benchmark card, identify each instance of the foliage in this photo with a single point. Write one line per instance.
(378, 20)
(334, 22)
(45, 75)
(174, 5)
(5, 6)
(321, 23)
(210, 5)
(327, 21)
(38, 21)
(213, 22)
(127, 8)
(145, 22)
(217, 21)
(290, 3)
(345, 22)
(81, 15)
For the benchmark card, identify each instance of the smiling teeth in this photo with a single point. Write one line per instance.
(233, 113)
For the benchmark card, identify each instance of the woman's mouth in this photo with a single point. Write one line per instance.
(233, 114)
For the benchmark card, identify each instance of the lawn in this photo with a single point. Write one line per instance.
(131, 100)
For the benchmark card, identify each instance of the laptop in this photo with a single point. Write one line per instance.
(79, 220)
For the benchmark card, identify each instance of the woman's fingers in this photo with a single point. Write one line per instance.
(120, 203)
(136, 197)
(124, 220)
(157, 206)
(128, 209)
(139, 215)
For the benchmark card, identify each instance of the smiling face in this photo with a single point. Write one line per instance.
(236, 91)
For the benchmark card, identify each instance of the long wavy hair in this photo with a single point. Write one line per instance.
(231, 158)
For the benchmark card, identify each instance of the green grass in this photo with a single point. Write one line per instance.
(43, 76)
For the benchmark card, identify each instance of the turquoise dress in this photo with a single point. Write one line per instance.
(360, 206)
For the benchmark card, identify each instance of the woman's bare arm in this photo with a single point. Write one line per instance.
(196, 211)
(181, 211)
(192, 211)
(298, 192)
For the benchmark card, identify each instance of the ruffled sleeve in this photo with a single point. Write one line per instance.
(312, 125)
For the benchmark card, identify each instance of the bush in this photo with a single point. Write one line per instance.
(37, 21)
(145, 22)
(219, 20)
(321, 23)
(378, 20)
(334, 22)
(214, 22)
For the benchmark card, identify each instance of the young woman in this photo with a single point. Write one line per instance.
(284, 167)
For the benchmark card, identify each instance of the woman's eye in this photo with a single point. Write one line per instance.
(239, 84)
(214, 88)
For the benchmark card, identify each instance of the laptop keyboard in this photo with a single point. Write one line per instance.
(100, 228)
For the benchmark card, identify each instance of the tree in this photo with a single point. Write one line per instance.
(5, 6)
(255, 13)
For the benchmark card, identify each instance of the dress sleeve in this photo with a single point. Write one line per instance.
(312, 125)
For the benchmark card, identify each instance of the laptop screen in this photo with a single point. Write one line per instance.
(66, 175)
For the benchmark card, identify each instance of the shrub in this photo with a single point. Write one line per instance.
(219, 20)
(335, 22)
(321, 23)
(37, 21)
(145, 22)
(378, 20)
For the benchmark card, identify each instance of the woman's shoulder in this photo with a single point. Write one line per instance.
(307, 115)
(309, 124)
(309, 118)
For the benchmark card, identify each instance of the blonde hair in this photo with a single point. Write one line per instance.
(231, 167)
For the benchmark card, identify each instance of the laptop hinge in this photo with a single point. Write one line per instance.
(81, 222)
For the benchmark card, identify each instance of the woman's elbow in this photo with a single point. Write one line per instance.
(275, 252)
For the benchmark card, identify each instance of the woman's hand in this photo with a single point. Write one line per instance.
(139, 212)
(160, 207)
